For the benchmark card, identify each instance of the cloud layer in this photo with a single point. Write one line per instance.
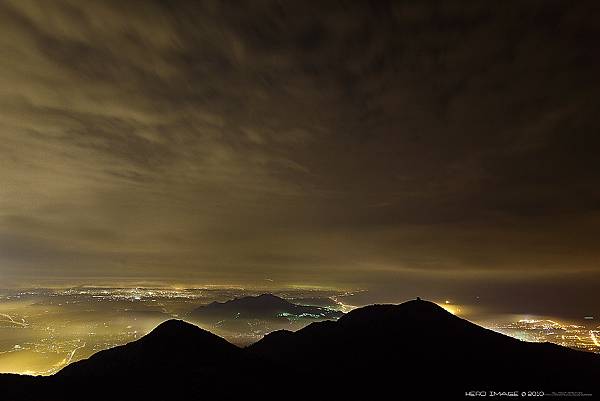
(297, 141)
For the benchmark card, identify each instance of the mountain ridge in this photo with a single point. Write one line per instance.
(261, 307)
(410, 348)
(171, 343)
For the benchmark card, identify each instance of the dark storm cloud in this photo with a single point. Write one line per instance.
(318, 142)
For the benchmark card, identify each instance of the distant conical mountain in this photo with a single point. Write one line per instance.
(415, 350)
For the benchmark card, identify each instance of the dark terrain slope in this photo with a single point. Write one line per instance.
(407, 351)
(418, 345)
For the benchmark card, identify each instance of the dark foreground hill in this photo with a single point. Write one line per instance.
(418, 345)
(166, 349)
(408, 351)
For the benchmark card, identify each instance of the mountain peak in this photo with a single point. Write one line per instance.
(176, 327)
(414, 310)
(266, 298)
(172, 345)
(174, 324)
(266, 307)
(262, 299)
(263, 302)
(176, 331)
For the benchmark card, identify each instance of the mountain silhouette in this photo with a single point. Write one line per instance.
(420, 343)
(265, 306)
(413, 350)
(168, 347)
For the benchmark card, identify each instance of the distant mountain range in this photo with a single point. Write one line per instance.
(265, 306)
(245, 320)
(413, 351)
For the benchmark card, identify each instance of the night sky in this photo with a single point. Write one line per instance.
(441, 149)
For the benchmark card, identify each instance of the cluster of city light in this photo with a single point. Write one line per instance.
(341, 305)
(594, 338)
(46, 328)
(547, 330)
(542, 330)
